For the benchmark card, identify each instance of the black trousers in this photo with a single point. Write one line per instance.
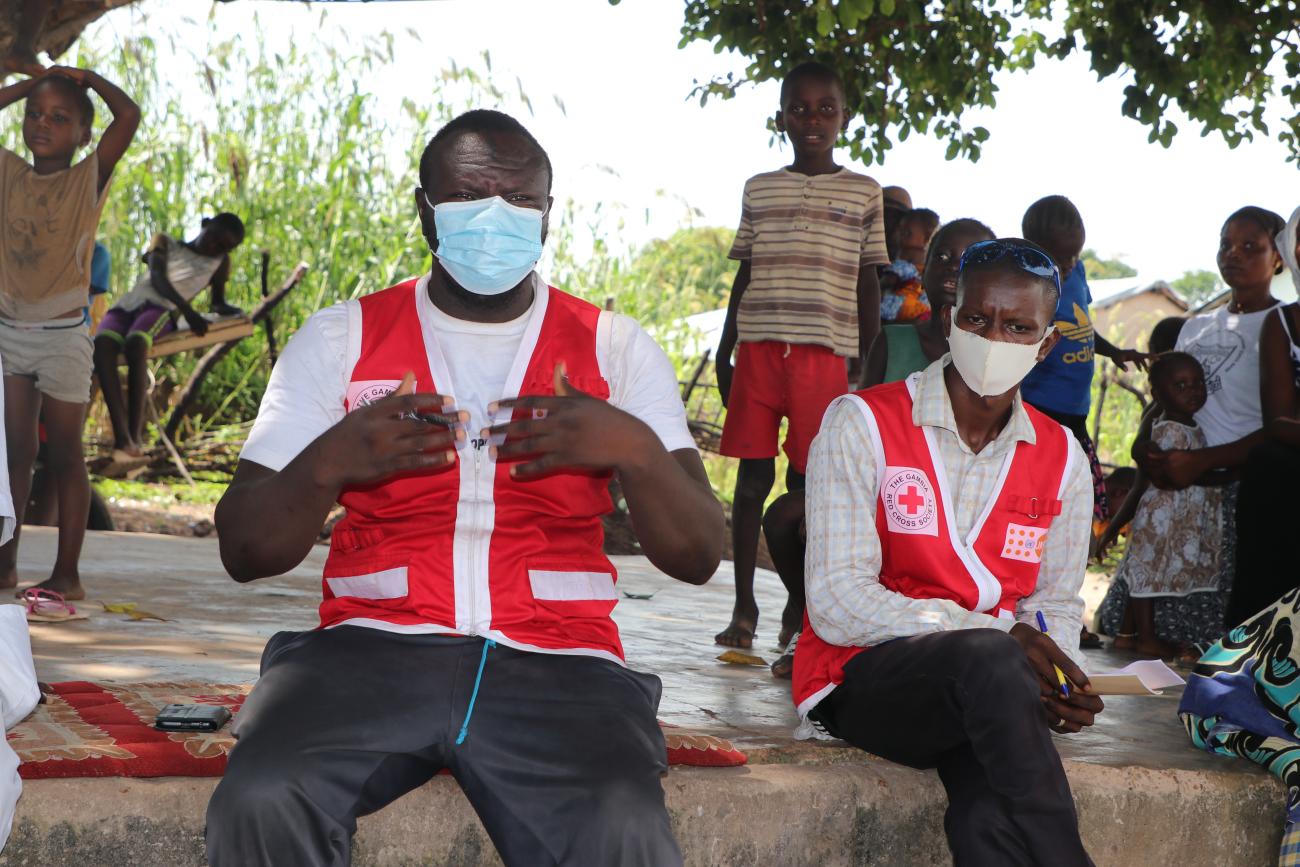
(562, 758)
(1268, 513)
(967, 703)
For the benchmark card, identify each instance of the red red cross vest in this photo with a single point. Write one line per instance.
(466, 549)
(922, 555)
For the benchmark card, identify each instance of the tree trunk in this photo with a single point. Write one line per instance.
(67, 19)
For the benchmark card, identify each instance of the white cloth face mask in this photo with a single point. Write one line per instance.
(990, 367)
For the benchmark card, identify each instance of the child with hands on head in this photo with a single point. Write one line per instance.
(52, 209)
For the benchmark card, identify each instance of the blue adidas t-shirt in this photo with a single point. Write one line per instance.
(1062, 382)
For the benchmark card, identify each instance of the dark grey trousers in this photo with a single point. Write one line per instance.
(967, 703)
(562, 759)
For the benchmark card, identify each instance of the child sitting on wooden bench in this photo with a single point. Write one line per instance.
(178, 272)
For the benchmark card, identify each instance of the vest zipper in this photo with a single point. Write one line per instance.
(474, 528)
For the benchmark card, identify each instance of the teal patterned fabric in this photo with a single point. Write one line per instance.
(1243, 700)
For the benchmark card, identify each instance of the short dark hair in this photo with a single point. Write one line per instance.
(230, 222)
(1270, 222)
(1167, 362)
(80, 95)
(1122, 476)
(813, 70)
(922, 215)
(1164, 337)
(480, 120)
(1008, 264)
(1050, 217)
(964, 223)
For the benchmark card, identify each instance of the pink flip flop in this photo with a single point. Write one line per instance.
(48, 606)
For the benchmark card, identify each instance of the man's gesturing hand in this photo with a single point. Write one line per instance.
(573, 431)
(388, 437)
(1063, 715)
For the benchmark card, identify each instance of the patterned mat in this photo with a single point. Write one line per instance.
(106, 730)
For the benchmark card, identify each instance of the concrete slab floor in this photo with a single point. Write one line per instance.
(215, 629)
(1144, 795)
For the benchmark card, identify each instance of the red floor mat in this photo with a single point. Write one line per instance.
(93, 730)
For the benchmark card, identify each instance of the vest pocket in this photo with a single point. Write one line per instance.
(385, 584)
(563, 594)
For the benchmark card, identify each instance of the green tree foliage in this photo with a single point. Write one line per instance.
(916, 66)
(1197, 287)
(1097, 268)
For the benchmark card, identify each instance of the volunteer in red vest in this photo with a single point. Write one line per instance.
(943, 516)
(470, 422)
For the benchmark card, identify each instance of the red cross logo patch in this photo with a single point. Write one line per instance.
(364, 392)
(908, 501)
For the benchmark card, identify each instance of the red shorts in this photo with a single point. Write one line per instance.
(775, 380)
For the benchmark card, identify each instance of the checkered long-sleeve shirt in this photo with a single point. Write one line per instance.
(848, 605)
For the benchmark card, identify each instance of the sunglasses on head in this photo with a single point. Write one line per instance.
(1031, 260)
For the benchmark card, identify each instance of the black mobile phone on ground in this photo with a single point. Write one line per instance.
(192, 718)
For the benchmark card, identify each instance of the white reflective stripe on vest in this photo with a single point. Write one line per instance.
(388, 584)
(990, 588)
(571, 586)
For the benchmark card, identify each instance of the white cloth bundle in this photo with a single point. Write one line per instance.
(19, 694)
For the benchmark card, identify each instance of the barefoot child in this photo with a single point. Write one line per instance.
(51, 210)
(178, 272)
(1175, 542)
(1226, 341)
(805, 300)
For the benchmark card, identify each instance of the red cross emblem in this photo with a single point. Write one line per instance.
(911, 500)
(908, 501)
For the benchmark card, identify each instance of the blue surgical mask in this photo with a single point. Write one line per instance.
(487, 245)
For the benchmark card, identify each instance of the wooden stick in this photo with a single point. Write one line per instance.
(209, 360)
(167, 441)
(691, 383)
(268, 322)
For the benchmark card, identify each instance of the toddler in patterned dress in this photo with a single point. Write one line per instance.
(1175, 541)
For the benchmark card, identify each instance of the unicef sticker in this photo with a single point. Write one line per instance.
(364, 392)
(909, 503)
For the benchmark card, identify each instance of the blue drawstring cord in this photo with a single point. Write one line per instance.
(473, 696)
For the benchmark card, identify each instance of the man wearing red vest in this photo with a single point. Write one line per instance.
(944, 516)
(470, 422)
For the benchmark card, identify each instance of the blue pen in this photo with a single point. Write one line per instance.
(1060, 675)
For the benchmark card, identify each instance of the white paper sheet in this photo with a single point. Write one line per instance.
(1144, 677)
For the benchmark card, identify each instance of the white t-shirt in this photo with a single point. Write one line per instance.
(307, 389)
(1227, 346)
(189, 273)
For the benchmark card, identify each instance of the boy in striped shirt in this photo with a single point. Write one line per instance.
(805, 301)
